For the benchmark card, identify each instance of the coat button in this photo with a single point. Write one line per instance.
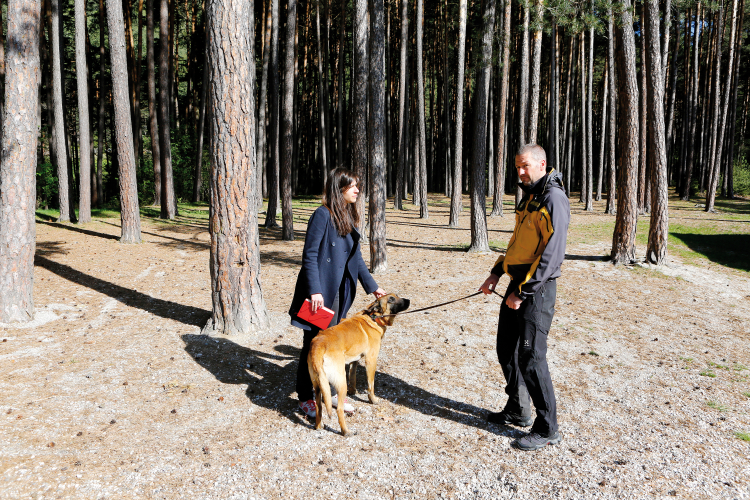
(333, 243)
(328, 260)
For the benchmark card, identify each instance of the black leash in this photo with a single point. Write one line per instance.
(440, 305)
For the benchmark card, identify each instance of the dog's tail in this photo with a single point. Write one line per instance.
(318, 375)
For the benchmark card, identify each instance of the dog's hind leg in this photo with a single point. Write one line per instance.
(352, 383)
(340, 385)
(319, 409)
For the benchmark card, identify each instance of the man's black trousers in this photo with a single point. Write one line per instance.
(522, 352)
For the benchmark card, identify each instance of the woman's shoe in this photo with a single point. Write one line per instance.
(308, 408)
(348, 408)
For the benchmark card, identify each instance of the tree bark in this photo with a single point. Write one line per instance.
(656, 250)
(458, 143)
(693, 105)
(238, 305)
(479, 239)
(536, 72)
(273, 136)
(153, 106)
(421, 188)
(612, 170)
(82, 74)
(378, 255)
(322, 98)
(198, 185)
(589, 106)
(623, 239)
(603, 136)
(643, 159)
(18, 164)
(359, 103)
(286, 146)
(402, 108)
(129, 212)
(261, 155)
(497, 200)
(524, 89)
(722, 124)
(168, 206)
(58, 99)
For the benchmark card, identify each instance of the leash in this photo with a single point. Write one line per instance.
(440, 305)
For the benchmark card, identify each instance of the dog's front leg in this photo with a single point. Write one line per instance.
(371, 362)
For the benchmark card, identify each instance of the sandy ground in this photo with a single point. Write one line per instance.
(111, 392)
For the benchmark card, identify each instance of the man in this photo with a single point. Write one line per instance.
(535, 252)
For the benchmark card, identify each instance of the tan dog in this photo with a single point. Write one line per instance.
(354, 338)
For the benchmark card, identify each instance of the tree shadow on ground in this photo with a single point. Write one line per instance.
(88, 232)
(187, 315)
(592, 258)
(271, 384)
(730, 250)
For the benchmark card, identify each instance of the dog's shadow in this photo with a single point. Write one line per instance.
(271, 379)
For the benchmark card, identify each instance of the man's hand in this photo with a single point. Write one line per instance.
(316, 302)
(513, 301)
(489, 284)
(378, 293)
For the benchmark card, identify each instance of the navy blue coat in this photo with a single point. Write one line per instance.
(324, 258)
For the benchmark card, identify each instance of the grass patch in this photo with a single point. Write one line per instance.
(593, 353)
(744, 436)
(708, 373)
(716, 406)
(746, 394)
(739, 367)
(717, 365)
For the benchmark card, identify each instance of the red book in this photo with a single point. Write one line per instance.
(320, 318)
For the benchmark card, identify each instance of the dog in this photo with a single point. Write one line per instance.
(354, 338)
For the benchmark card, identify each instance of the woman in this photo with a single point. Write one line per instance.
(331, 265)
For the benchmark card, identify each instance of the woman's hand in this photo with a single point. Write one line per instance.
(378, 293)
(316, 301)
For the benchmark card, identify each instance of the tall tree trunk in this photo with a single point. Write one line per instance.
(686, 186)
(153, 105)
(524, 90)
(238, 305)
(402, 107)
(612, 115)
(672, 98)
(502, 146)
(101, 138)
(129, 212)
(378, 256)
(656, 251)
(536, 72)
(603, 136)
(589, 106)
(584, 123)
(58, 98)
(84, 169)
(286, 146)
(479, 239)
(18, 163)
(273, 107)
(722, 124)
(458, 144)
(623, 239)
(198, 185)
(322, 97)
(261, 155)
(168, 206)
(421, 136)
(359, 104)
(730, 153)
(643, 159)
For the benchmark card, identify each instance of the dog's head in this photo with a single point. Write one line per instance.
(386, 307)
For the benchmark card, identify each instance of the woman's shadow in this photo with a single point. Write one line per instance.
(270, 379)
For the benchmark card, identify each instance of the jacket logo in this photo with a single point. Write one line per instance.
(526, 343)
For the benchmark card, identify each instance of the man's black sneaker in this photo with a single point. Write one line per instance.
(534, 441)
(505, 418)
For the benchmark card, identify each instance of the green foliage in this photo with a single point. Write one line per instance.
(46, 185)
(708, 373)
(744, 436)
(742, 176)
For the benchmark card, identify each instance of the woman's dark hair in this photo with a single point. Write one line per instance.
(345, 216)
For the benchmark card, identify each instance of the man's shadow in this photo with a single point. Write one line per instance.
(271, 378)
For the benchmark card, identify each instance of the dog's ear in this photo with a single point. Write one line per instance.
(375, 307)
